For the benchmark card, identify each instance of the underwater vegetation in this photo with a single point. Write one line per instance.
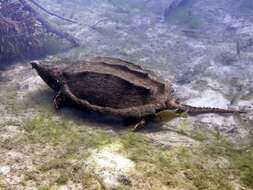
(19, 34)
(204, 48)
(214, 164)
(24, 33)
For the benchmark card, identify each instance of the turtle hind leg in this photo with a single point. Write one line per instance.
(59, 100)
(139, 124)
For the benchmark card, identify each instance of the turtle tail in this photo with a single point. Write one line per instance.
(200, 110)
(173, 104)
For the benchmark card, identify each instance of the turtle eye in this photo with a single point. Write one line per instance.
(65, 75)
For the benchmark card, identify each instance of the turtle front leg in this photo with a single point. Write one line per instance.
(58, 100)
(139, 124)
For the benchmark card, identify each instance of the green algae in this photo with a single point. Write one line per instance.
(214, 164)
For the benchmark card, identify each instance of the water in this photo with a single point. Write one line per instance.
(203, 47)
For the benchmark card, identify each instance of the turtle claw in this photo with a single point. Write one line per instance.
(58, 100)
(140, 124)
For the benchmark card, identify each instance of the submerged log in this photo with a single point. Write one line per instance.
(173, 6)
(50, 13)
(24, 32)
(49, 27)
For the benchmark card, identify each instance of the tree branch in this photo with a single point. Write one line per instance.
(50, 13)
(49, 27)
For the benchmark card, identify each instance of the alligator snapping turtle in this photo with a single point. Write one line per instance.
(114, 86)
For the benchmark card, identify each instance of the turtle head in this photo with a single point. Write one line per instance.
(49, 73)
(35, 64)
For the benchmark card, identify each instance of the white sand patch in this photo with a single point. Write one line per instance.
(30, 84)
(171, 138)
(218, 120)
(4, 170)
(110, 165)
(69, 186)
(34, 83)
(9, 132)
(209, 98)
(212, 98)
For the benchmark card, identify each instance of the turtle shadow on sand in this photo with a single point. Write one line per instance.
(156, 126)
(44, 98)
(116, 124)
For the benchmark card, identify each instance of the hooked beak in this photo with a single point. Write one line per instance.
(47, 73)
(35, 64)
